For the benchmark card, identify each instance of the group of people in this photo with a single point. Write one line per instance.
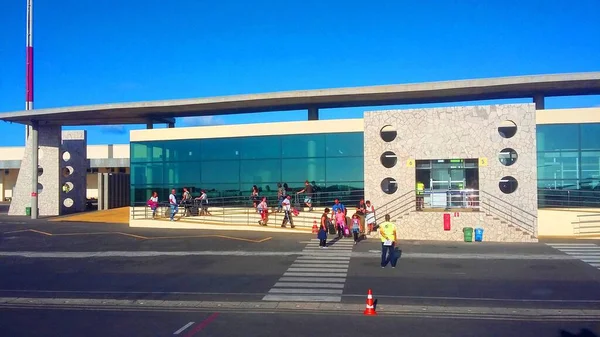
(187, 201)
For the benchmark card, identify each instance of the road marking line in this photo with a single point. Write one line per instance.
(317, 257)
(570, 244)
(342, 280)
(586, 252)
(300, 298)
(183, 328)
(326, 269)
(320, 262)
(39, 232)
(142, 237)
(202, 324)
(305, 291)
(307, 285)
(315, 274)
(332, 266)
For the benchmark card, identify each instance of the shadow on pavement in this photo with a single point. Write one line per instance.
(582, 333)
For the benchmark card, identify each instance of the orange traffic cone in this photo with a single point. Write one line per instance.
(315, 229)
(370, 310)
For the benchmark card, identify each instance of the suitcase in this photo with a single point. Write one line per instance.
(331, 228)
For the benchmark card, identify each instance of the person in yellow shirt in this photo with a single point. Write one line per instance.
(387, 232)
(420, 195)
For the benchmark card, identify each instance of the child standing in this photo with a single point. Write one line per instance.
(340, 221)
(355, 227)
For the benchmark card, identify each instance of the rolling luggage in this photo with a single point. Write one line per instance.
(331, 228)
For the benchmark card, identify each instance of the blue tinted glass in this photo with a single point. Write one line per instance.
(590, 136)
(227, 171)
(590, 165)
(568, 184)
(258, 171)
(558, 165)
(344, 169)
(345, 144)
(216, 191)
(303, 146)
(181, 150)
(139, 152)
(266, 189)
(146, 174)
(261, 147)
(221, 148)
(182, 173)
(558, 137)
(311, 169)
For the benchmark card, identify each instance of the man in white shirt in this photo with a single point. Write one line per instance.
(287, 209)
(173, 204)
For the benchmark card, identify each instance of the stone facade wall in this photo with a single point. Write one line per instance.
(454, 133)
(74, 164)
(48, 187)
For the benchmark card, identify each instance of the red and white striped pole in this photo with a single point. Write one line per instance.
(29, 63)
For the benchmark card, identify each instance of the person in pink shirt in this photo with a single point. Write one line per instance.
(340, 221)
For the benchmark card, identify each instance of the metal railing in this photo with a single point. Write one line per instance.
(397, 207)
(240, 209)
(554, 198)
(587, 224)
(449, 199)
(508, 212)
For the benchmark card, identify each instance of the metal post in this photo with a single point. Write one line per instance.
(34, 169)
(29, 63)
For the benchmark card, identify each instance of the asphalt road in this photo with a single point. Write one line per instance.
(244, 267)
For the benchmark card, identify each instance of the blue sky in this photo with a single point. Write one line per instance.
(91, 52)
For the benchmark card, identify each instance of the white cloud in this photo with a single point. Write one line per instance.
(201, 120)
(114, 129)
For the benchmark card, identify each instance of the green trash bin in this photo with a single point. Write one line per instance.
(468, 233)
(28, 211)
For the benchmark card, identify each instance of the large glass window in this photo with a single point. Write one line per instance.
(590, 136)
(558, 137)
(303, 146)
(229, 167)
(568, 165)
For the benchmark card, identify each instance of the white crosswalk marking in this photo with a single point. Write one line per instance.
(586, 252)
(315, 278)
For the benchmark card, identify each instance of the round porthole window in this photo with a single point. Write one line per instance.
(507, 129)
(508, 184)
(388, 159)
(389, 185)
(508, 156)
(388, 133)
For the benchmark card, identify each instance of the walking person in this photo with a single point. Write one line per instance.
(322, 236)
(355, 227)
(387, 231)
(254, 196)
(370, 217)
(203, 199)
(186, 201)
(173, 204)
(287, 209)
(153, 203)
(281, 194)
(263, 209)
(308, 191)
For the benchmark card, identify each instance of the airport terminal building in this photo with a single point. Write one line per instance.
(435, 170)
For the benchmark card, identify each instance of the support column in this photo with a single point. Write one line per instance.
(313, 114)
(149, 126)
(34, 169)
(539, 101)
(2, 185)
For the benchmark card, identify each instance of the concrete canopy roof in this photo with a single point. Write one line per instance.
(429, 92)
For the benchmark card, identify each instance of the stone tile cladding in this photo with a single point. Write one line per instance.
(75, 143)
(447, 133)
(48, 160)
